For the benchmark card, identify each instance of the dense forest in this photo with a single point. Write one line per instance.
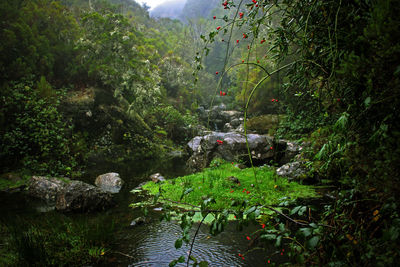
(101, 82)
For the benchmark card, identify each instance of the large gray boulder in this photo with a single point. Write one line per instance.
(109, 182)
(69, 195)
(229, 146)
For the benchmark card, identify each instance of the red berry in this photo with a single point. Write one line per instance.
(214, 17)
(248, 238)
(219, 27)
(237, 41)
(216, 72)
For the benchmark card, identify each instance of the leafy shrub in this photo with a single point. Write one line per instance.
(33, 133)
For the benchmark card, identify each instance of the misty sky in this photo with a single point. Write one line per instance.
(152, 3)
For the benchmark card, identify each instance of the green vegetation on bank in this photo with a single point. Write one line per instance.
(226, 183)
(55, 240)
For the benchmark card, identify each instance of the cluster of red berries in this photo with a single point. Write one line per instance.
(220, 142)
(262, 41)
(222, 93)
(241, 15)
(225, 4)
(274, 100)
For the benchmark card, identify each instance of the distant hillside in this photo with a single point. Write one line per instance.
(171, 9)
(198, 9)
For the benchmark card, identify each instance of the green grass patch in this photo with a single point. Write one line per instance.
(215, 183)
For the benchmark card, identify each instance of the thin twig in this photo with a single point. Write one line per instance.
(194, 238)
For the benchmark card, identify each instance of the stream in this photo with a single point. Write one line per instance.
(151, 243)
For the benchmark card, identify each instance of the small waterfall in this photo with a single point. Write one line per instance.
(216, 127)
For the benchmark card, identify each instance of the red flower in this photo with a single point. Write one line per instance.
(216, 72)
(263, 225)
(214, 17)
(241, 15)
(219, 27)
(248, 237)
(237, 41)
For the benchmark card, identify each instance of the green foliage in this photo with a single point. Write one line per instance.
(340, 81)
(34, 135)
(169, 122)
(38, 39)
(56, 241)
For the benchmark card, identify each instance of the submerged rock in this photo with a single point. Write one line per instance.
(109, 182)
(69, 195)
(139, 221)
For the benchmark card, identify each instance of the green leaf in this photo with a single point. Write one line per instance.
(173, 263)
(295, 210)
(367, 101)
(268, 236)
(178, 243)
(187, 191)
(313, 242)
(203, 264)
(278, 241)
(181, 259)
(250, 210)
(306, 231)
